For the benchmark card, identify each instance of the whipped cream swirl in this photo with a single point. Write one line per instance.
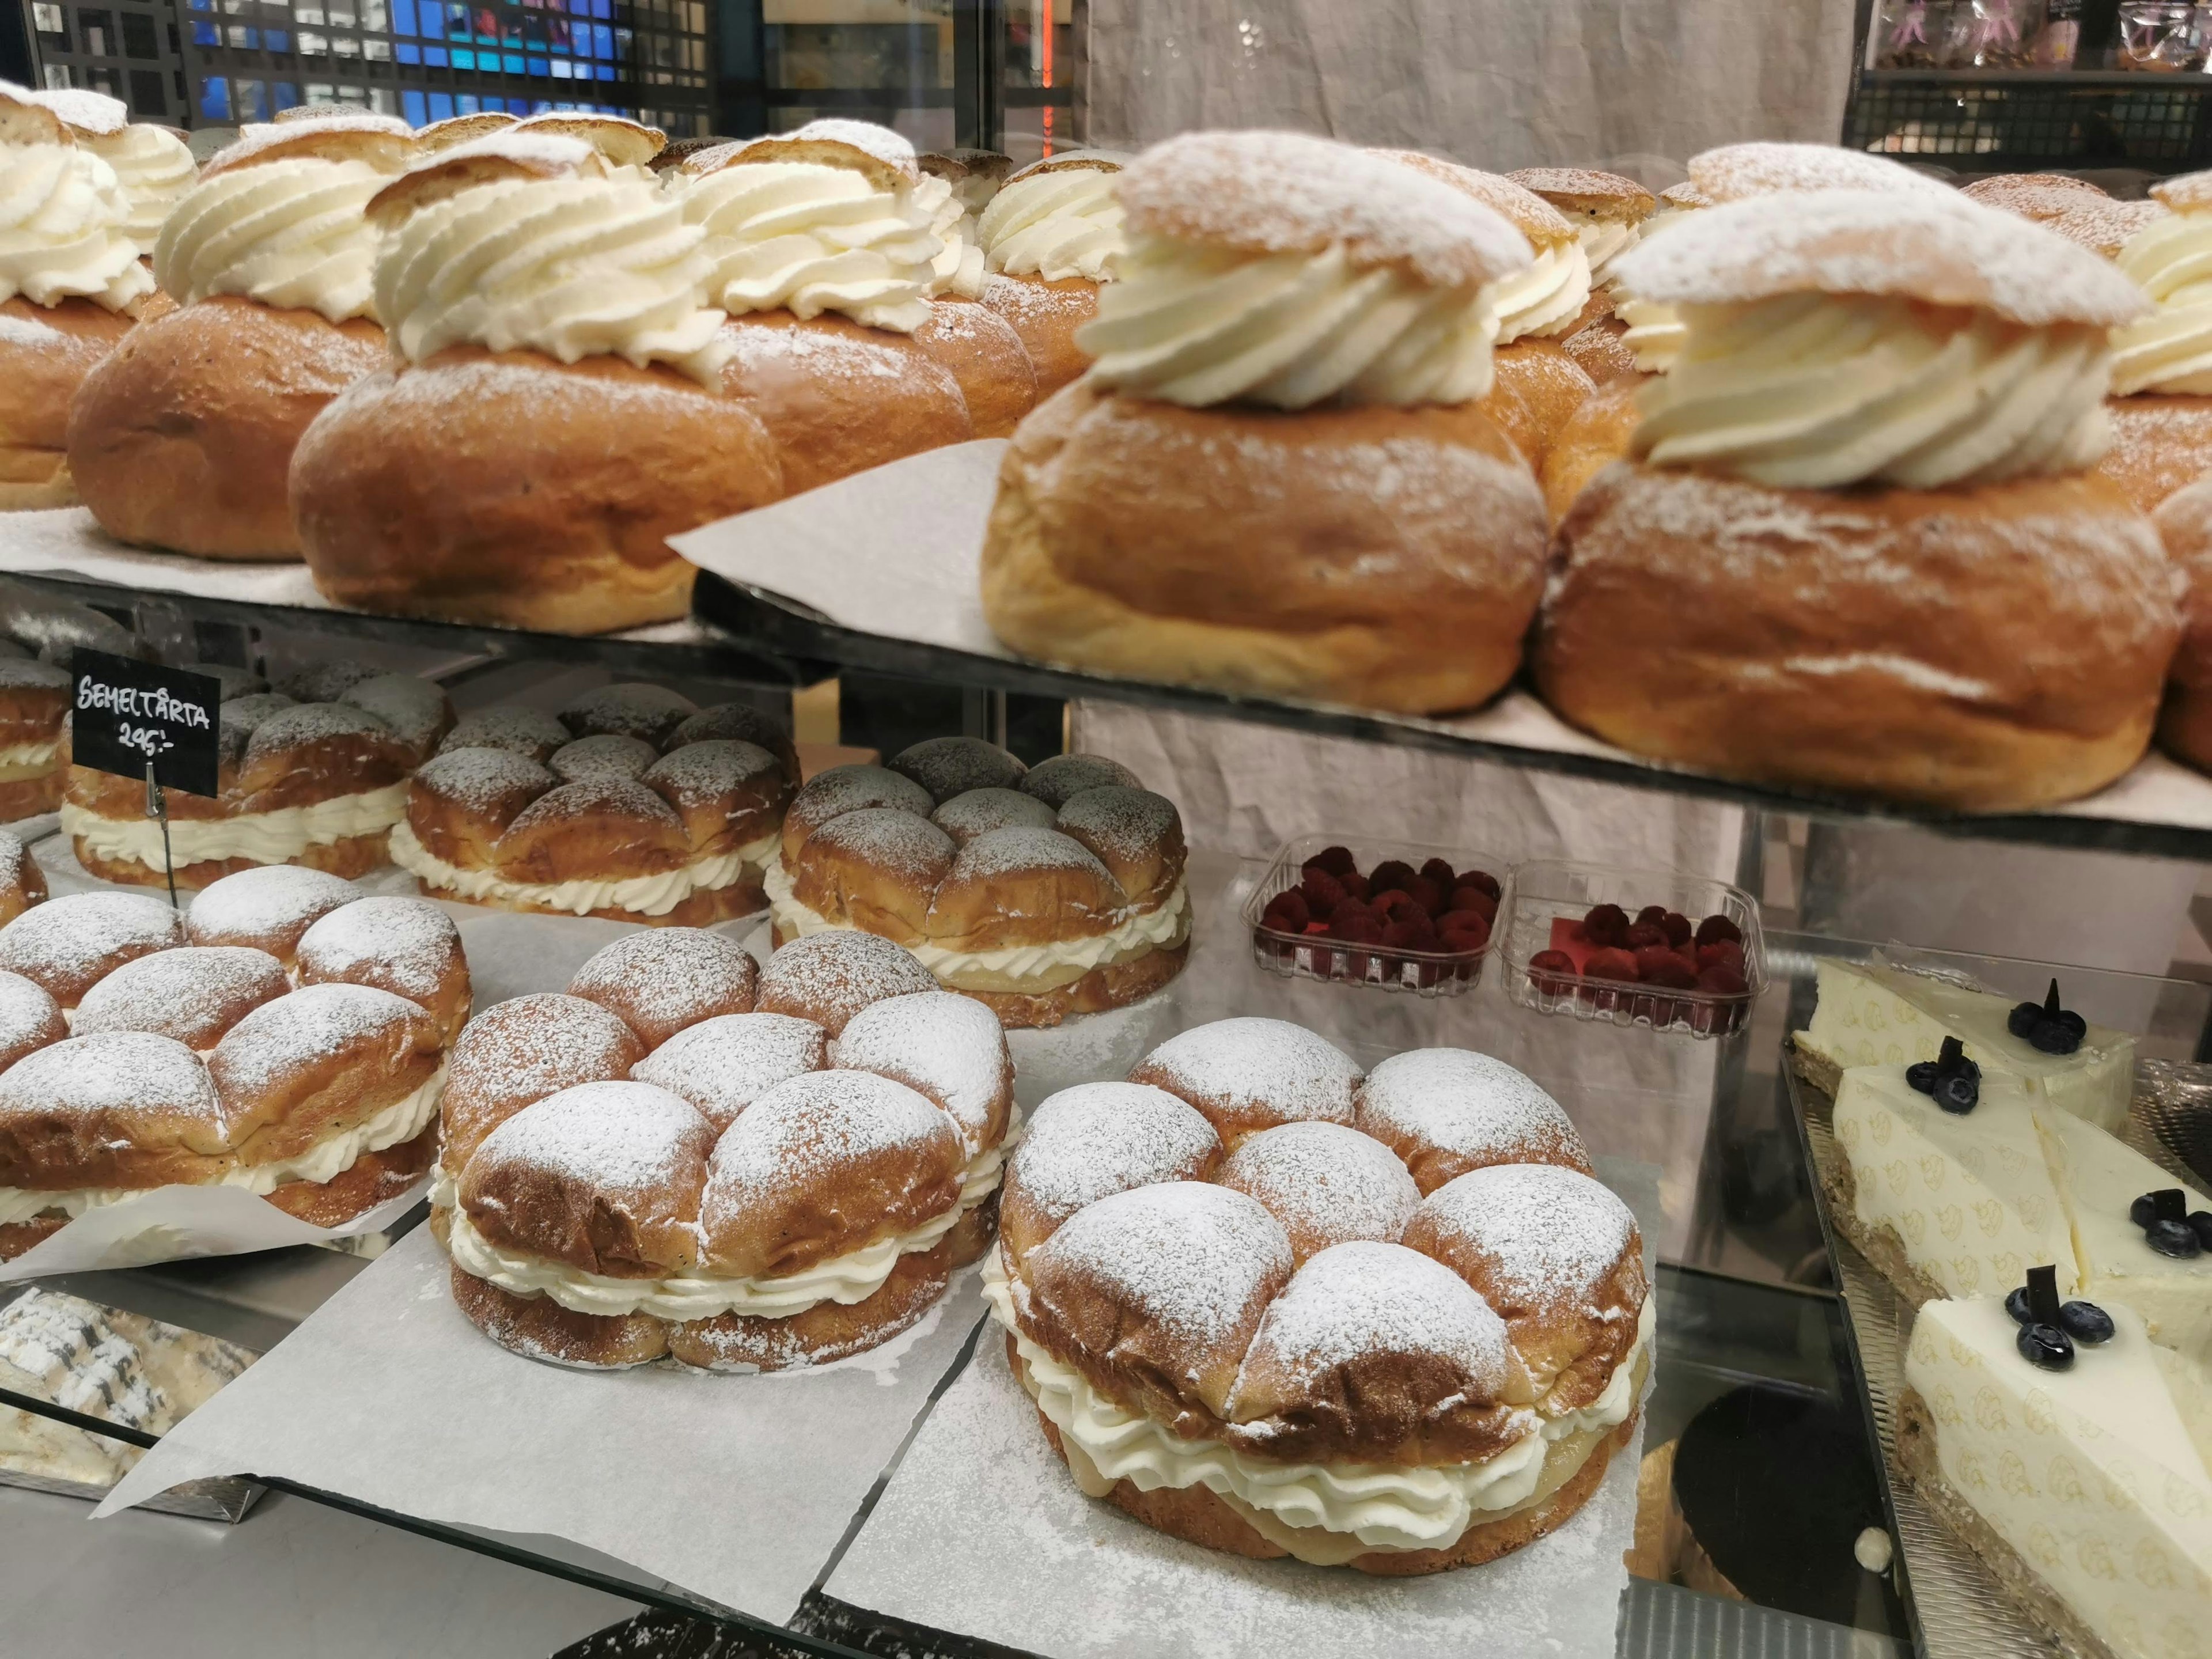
(1053, 226)
(293, 234)
(1194, 324)
(1655, 331)
(1603, 241)
(2170, 350)
(154, 169)
(806, 238)
(958, 269)
(1545, 299)
(64, 229)
(574, 268)
(1814, 392)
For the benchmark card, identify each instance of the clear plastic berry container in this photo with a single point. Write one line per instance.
(1442, 971)
(1547, 900)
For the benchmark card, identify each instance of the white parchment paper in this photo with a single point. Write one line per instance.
(983, 1532)
(736, 1489)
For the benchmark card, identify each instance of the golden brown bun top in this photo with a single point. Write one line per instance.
(86, 114)
(1588, 193)
(1544, 225)
(2000, 189)
(1285, 192)
(1073, 161)
(496, 158)
(25, 119)
(1684, 197)
(828, 978)
(624, 142)
(1941, 249)
(382, 141)
(877, 153)
(268, 909)
(958, 164)
(1446, 1111)
(1250, 1074)
(2185, 193)
(460, 129)
(70, 943)
(1735, 172)
(660, 980)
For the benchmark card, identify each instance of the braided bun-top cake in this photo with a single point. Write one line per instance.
(746, 1169)
(285, 1034)
(1266, 1306)
(313, 775)
(1041, 892)
(635, 803)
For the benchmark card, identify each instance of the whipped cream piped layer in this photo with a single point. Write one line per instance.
(29, 760)
(327, 1158)
(64, 229)
(2170, 350)
(573, 267)
(959, 268)
(1056, 963)
(1655, 331)
(293, 234)
(807, 238)
(1055, 226)
(1814, 392)
(1194, 324)
(1322, 1513)
(155, 171)
(264, 838)
(644, 895)
(1544, 300)
(1603, 241)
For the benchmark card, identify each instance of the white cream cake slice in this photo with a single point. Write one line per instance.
(2100, 1178)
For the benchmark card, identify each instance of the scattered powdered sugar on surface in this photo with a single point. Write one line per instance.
(1252, 1067)
(950, 1046)
(244, 715)
(952, 766)
(478, 779)
(17, 671)
(1119, 821)
(534, 1045)
(26, 1011)
(699, 773)
(185, 994)
(672, 977)
(1338, 1182)
(1101, 1138)
(89, 112)
(528, 731)
(637, 710)
(732, 721)
(818, 1123)
(29, 332)
(277, 901)
(1552, 1235)
(723, 1065)
(1583, 181)
(67, 938)
(618, 1136)
(253, 139)
(1012, 851)
(312, 722)
(615, 797)
(1192, 1256)
(1944, 249)
(607, 755)
(1263, 192)
(829, 977)
(1763, 167)
(888, 839)
(128, 1073)
(313, 1023)
(844, 789)
(1059, 780)
(326, 682)
(976, 811)
(413, 940)
(1460, 1100)
(1364, 1298)
(414, 708)
(865, 137)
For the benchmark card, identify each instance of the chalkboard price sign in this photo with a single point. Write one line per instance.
(123, 713)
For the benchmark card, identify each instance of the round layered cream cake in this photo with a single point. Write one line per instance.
(1041, 892)
(285, 1034)
(34, 698)
(746, 1169)
(634, 803)
(1270, 1308)
(315, 782)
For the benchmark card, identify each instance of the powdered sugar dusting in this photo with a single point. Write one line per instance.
(1735, 172)
(952, 766)
(829, 977)
(27, 1014)
(887, 838)
(118, 1075)
(410, 945)
(269, 907)
(1325, 1180)
(325, 682)
(534, 1045)
(1608, 194)
(949, 1047)
(1101, 1138)
(732, 721)
(1193, 1257)
(1362, 1298)
(977, 812)
(1469, 1104)
(1121, 823)
(527, 732)
(614, 796)
(815, 1125)
(1059, 780)
(702, 773)
(414, 709)
(844, 789)
(722, 1066)
(194, 994)
(480, 779)
(314, 1023)
(623, 1138)
(649, 712)
(312, 722)
(1547, 1237)
(68, 943)
(998, 853)
(608, 755)
(666, 978)
(21, 671)
(1254, 1073)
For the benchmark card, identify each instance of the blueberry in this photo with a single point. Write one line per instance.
(2174, 1238)
(2024, 1018)
(2045, 1345)
(2085, 1321)
(1921, 1076)
(2200, 1223)
(2016, 1305)
(1957, 1095)
(2052, 1037)
(2143, 1210)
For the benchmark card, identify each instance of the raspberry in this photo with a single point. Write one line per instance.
(1357, 923)
(1356, 885)
(1337, 861)
(1410, 935)
(1390, 874)
(1481, 879)
(1314, 929)
(1722, 953)
(1323, 891)
(1611, 962)
(1713, 929)
(1678, 928)
(1467, 931)
(1647, 935)
(1472, 899)
(1286, 913)
(1722, 980)
(1652, 914)
(1550, 971)
(1426, 893)
(1658, 965)
(1395, 904)
(1437, 871)
(1607, 926)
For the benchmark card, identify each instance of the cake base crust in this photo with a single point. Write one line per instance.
(351, 856)
(1882, 1246)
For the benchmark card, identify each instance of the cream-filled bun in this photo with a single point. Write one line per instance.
(152, 163)
(623, 142)
(183, 438)
(2161, 405)
(70, 282)
(1275, 476)
(821, 247)
(458, 129)
(1856, 498)
(974, 344)
(969, 179)
(1609, 213)
(553, 410)
(1049, 236)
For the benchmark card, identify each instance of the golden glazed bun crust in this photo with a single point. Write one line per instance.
(981, 350)
(2184, 725)
(837, 397)
(514, 491)
(1538, 388)
(1044, 317)
(183, 437)
(1595, 436)
(1275, 567)
(1986, 650)
(45, 356)
(2161, 444)
(1599, 347)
